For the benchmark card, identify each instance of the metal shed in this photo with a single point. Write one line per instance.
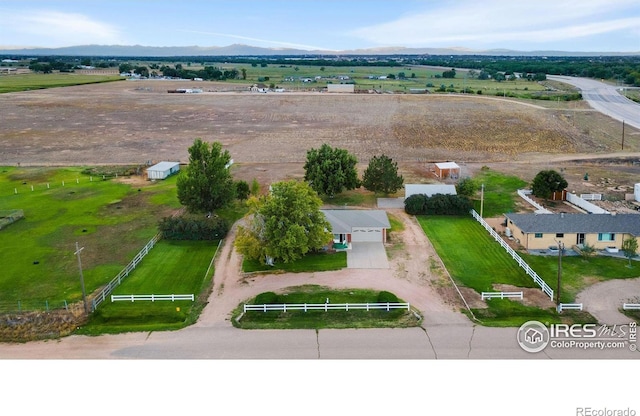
(162, 170)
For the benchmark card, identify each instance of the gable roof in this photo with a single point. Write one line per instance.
(429, 189)
(163, 166)
(577, 223)
(343, 220)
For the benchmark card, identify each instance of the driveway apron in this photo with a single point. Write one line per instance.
(367, 256)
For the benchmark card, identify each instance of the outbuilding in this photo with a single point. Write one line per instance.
(429, 189)
(162, 170)
(447, 170)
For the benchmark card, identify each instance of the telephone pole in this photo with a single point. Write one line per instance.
(560, 250)
(84, 293)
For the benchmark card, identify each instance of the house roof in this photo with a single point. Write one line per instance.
(343, 220)
(429, 190)
(577, 223)
(447, 165)
(162, 166)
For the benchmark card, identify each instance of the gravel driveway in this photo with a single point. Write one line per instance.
(604, 300)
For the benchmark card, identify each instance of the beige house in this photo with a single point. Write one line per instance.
(601, 231)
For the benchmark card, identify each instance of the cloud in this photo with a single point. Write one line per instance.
(492, 21)
(54, 28)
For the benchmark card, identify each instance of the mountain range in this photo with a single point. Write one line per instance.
(247, 50)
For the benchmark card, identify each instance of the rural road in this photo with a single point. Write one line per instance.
(605, 98)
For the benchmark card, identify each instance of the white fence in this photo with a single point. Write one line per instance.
(115, 282)
(543, 285)
(570, 306)
(591, 197)
(540, 209)
(152, 298)
(586, 205)
(284, 307)
(501, 295)
(631, 306)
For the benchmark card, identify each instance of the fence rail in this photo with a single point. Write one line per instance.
(501, 295)
(570, 306)
(543, 285)
(631, 306)
(152, 298)
(115, 282)
(284, 307)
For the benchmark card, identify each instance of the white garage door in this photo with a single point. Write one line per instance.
(366, 234)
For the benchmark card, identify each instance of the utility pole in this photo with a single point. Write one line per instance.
(560, 250)
(84, 293)
(622, 134)
(481, 200)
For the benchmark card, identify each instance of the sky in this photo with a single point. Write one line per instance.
(560, 25)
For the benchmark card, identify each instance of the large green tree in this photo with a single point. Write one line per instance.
(206, 183)
(382, 175)
(284, 225)
(329, 171)
(547, 182)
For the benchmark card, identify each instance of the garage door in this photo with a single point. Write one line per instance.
(366, 234)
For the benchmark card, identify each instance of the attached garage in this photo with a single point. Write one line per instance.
(360, 234)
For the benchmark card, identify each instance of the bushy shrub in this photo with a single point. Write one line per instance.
(384, 297)
(266, 298)
(438, 204)
(193, 227)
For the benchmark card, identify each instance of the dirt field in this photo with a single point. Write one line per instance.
(268, 135)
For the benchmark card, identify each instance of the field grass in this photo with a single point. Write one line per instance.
(26, 82)
(320, 319)
(110, 219)
(314, 262)
(171, 267)
(499, 192)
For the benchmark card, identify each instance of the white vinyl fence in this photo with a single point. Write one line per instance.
(540, 209)
(569, 306)
(543, 285)
(501, 295)
(152, 298)
(631, 306)
(115, 282)
(284, 307)
(586, 205)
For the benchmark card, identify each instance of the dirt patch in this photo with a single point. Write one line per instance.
(531, 296)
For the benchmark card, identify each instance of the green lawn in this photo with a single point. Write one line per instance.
(171, 267)
(314, 262)
(477, 261)
(26, 82)
(499, 192)
(320, 319)
(111, 220)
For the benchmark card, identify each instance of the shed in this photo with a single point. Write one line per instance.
(447, 170)
(162, 170)
(428, 189)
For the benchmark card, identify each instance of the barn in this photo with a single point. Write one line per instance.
(357, 225)
(447, 170)
(162, 170)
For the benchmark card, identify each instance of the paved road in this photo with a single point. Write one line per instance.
(605, 98)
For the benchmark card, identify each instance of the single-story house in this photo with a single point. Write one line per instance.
(447, 170)
(428, 189)
(357, 225)
(600, 231)
(162, 170)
